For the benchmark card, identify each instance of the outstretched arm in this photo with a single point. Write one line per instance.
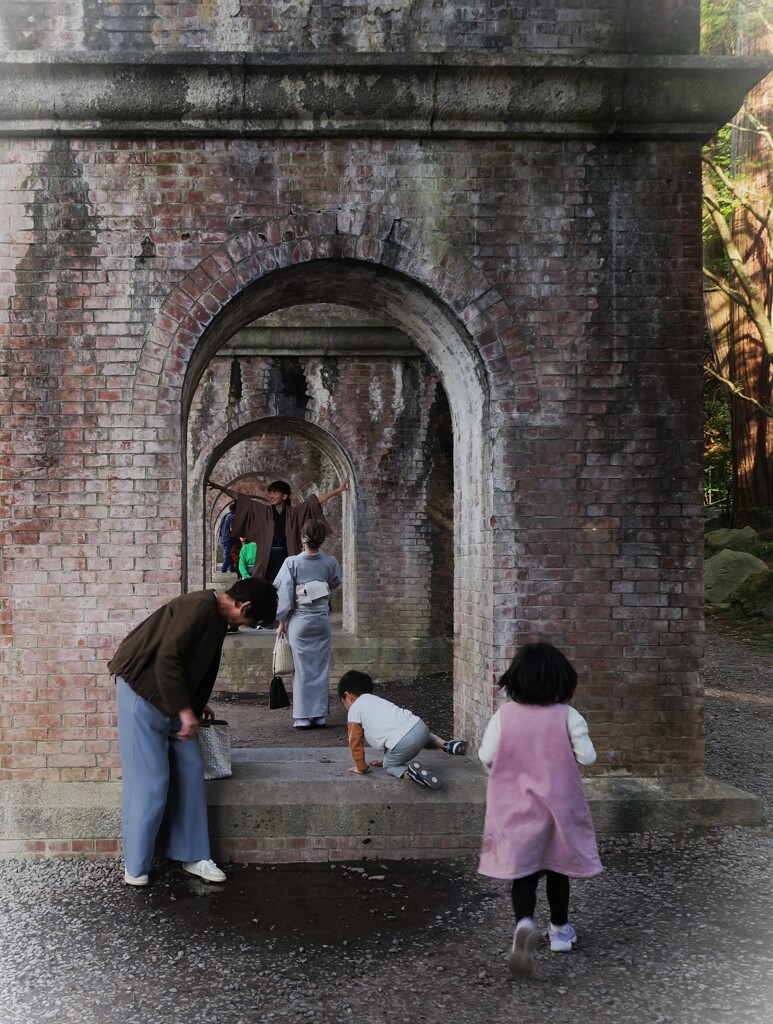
(337, 490)
(226, 490)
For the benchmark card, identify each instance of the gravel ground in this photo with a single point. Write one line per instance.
(673, 931)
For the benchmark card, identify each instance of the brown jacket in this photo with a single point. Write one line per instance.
(172, 658)
(254, 520)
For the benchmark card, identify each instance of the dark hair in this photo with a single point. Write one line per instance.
(315, 531)
(260, 593)
(232, 506)
(539, 674)
(282, 486)
(355, 682)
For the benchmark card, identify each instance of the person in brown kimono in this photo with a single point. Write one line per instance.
(275, 524)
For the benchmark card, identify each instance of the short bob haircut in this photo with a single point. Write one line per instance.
(314, 532)
(539, 674)
(355, 682)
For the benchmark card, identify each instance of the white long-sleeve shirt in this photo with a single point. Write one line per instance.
(584, 751)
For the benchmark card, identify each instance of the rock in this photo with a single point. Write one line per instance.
(736, 540)
(755, 596)
(726, 571)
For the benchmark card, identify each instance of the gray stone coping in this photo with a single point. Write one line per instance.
(290, 791)
(400, 95)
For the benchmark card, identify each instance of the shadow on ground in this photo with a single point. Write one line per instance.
(331, 903)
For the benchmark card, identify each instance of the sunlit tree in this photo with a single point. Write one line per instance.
(738, 263)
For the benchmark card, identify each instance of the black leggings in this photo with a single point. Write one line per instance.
(556, 890)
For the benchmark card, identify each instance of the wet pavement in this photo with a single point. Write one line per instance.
(328, 903)
(674, 932)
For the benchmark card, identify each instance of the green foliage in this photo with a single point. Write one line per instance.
(723, 22)
(764, 549)
(717, 448)
(718, 26)
(718, 149)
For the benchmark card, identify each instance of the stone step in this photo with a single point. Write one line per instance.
(246, 663)
(293, 804)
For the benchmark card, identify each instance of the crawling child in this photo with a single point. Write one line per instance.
(382, 725)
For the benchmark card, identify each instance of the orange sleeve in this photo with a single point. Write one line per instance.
(357, 746)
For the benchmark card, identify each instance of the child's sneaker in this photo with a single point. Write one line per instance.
(419, 774)
(562, 939)
(455, 747)
(521, 959)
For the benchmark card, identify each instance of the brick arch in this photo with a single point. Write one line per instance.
(206, 509)
(243, 280)
(453, 315)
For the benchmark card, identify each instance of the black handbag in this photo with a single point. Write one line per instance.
(277, 695)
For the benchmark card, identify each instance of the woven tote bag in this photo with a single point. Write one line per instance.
(214, 739)
(283, 657)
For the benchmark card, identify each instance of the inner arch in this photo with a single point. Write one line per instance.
(441, 336)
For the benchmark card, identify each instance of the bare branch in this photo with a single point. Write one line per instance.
(754, 295)
(757, 128)
(740, 193)
(737, 390)
(732, 293)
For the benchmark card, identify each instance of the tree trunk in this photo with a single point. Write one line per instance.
(750, 365)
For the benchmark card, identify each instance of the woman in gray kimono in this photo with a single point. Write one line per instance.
(304, 584)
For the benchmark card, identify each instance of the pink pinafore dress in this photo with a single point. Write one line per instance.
(537, 814)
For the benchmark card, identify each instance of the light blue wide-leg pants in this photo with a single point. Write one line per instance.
(163, 799)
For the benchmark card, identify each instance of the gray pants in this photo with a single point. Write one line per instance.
(416, 739)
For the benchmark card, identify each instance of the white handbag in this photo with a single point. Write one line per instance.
(214, 738)
(283, 657)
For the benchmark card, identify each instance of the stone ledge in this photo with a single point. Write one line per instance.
(400, 95)
(670, 804)
(245, 666)
(284, 803)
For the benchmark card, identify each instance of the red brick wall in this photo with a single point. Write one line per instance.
(553, 287)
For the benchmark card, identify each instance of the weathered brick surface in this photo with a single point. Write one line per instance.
(276, 850)
(391, 414)
(551, 287)
(354, 25)
(573, 270)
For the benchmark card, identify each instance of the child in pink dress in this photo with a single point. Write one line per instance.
(537, 816)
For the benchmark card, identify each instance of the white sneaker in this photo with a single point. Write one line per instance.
(206, 869)
(138, 880)
(521, 959)
(562, 939)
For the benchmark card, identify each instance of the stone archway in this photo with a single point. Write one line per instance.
(454, 317)
(427, 328)
(204, 507)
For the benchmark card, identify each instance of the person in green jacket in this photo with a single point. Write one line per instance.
(247, 556)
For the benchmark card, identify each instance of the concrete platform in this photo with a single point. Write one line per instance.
(286, 804)
(245, 666)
